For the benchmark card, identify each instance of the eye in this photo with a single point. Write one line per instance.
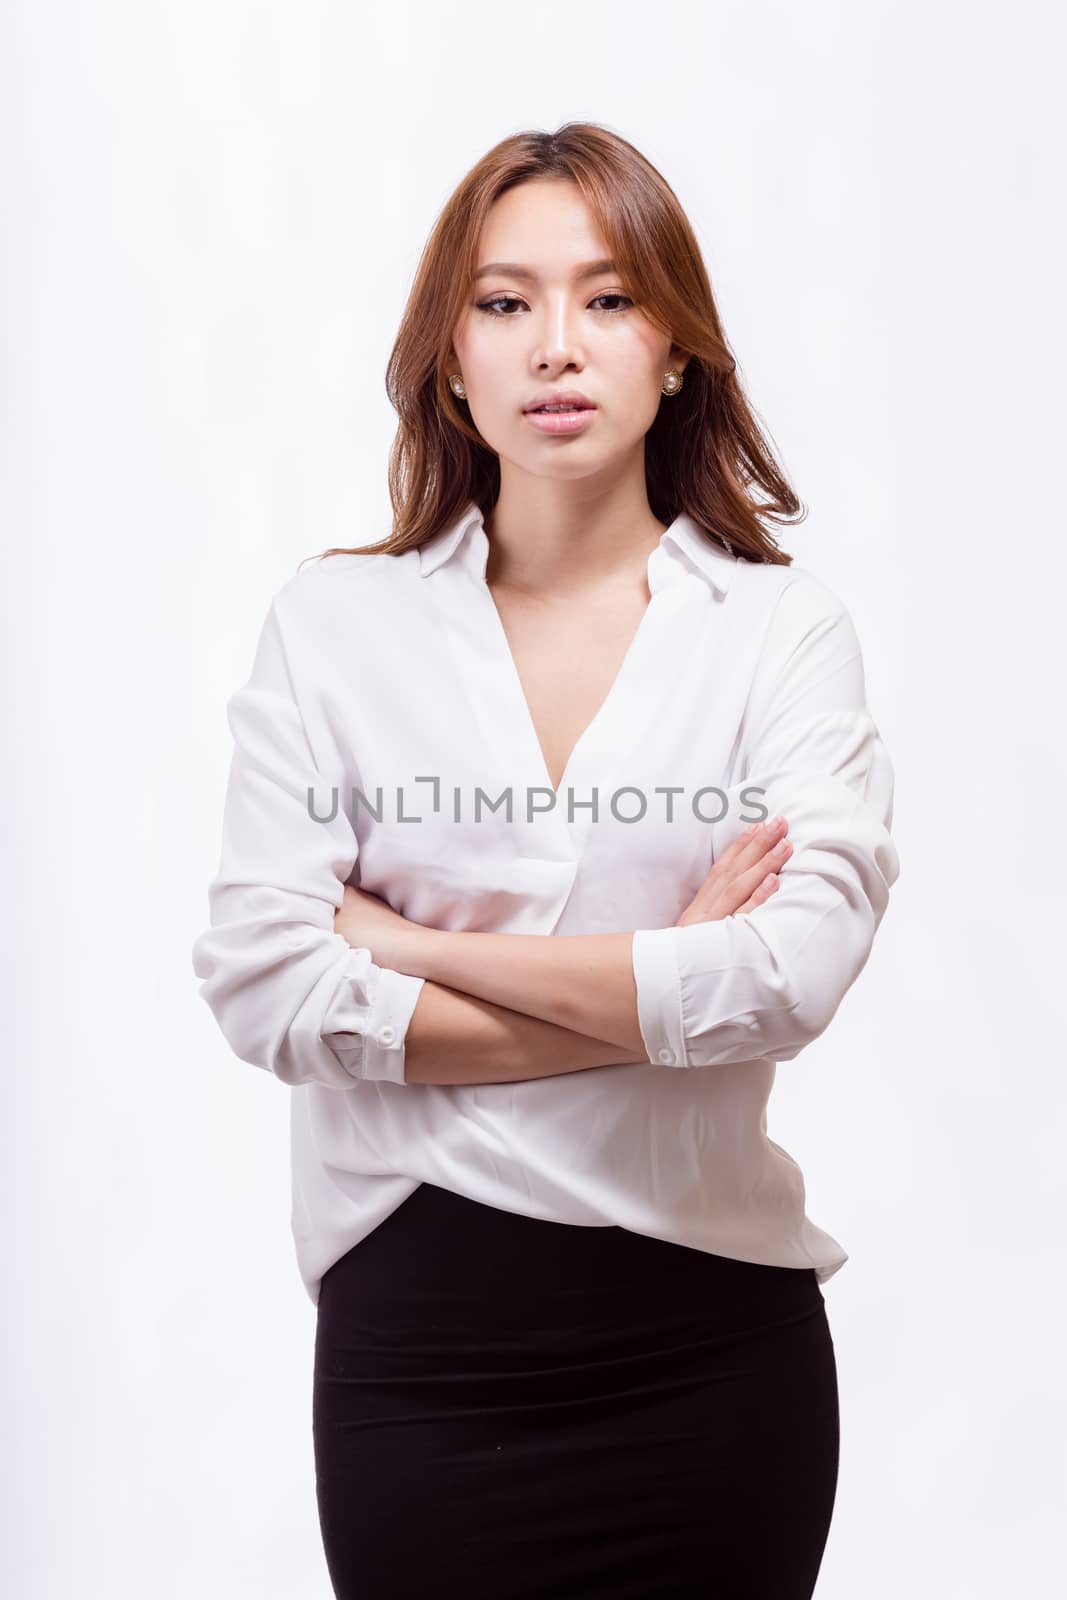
(498, 300)
(490, 306)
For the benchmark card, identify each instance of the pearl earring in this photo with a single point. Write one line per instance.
(672, 381)
(455, 383)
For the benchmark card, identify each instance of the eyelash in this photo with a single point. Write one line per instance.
(496, 299)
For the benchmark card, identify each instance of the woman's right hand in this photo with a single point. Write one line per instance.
(744, 876)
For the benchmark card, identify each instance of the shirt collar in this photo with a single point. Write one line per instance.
(684, 538)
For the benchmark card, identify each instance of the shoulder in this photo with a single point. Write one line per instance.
(792, 596)
(790, 591)
(332, 585)
(800, 614)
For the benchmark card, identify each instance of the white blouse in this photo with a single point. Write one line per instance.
(383, 738)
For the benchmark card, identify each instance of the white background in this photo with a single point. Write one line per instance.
(211, 214)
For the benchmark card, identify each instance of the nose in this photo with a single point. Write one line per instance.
(559, 342)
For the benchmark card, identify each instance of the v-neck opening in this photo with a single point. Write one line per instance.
(599, 715)
(487, 667)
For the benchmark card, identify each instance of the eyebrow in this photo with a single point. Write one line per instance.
(515, 269)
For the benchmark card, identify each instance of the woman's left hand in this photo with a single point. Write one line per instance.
(369, 923)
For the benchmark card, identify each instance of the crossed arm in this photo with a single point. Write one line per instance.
(316, 991)
(499, 1006)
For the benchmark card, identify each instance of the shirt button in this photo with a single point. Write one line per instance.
(666, 1056)
(387, 1034)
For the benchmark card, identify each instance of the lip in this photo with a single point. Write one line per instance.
(560, 397)
(561, 422)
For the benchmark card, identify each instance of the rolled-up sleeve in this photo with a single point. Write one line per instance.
(765, 983)
(290, 994)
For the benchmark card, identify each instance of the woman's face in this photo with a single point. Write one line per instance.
(556, 325)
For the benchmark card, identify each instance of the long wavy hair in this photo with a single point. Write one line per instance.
(705, 450)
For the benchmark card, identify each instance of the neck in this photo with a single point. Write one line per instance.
(568, 538)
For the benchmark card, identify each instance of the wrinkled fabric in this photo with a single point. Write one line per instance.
(383, 739)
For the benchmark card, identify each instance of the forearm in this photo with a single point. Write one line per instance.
(454, 1038)
(581, 983)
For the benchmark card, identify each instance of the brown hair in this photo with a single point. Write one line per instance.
(704, 448)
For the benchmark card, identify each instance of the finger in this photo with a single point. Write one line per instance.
(761, 837)
(762, 892)
(740, 869)
(772, 861)
(749, 848)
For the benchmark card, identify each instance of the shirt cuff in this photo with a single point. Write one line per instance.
(370, 1044)
(654, 955)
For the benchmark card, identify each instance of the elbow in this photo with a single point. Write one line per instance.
(768, 982)
(778, 1022)
(245, 1007)
(814, 1012)
(818, 978)
(779, 1018)
(299, 1002)
(775, 996)
(267, 1004)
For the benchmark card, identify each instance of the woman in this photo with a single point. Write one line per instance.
(570, 1333)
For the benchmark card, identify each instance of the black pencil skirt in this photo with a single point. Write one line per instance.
(506, 1408)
